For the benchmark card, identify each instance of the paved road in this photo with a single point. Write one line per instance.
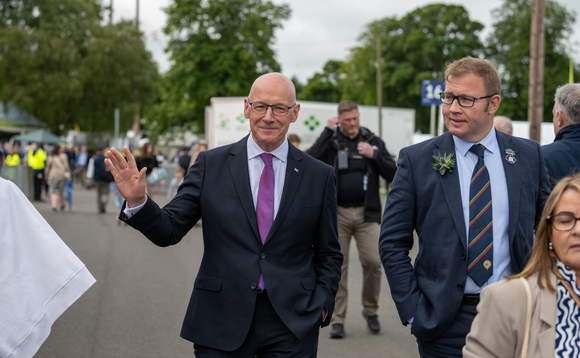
(137, 305)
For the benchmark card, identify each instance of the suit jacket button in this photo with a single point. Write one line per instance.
(262, 255)
(460, 286)
(463, 256)
(253, 285)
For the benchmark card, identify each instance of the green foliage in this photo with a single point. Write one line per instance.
(219, 47)
(414, 48)
(509, 48)
(324, 86)
(59, 63)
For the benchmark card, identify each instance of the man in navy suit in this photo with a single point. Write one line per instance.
(430, 195)
(260, 291)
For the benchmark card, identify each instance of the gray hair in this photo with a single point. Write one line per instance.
(567, 100)
(505, 124)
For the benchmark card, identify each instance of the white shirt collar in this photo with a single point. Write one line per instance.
(254, 150)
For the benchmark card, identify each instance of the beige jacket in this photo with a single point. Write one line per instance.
(52, 168)
(498, 328)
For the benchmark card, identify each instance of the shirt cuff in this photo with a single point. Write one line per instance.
(132, 211)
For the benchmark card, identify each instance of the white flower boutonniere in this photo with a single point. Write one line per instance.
(443, 163)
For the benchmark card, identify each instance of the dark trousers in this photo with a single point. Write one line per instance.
(268, 338)
(38, 183)
(450, 343)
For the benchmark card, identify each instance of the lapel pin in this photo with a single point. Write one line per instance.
(511, 156)
(296, 170)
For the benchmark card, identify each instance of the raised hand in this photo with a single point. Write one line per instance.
(130, 181)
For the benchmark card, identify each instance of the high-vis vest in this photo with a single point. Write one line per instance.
(13, 160)
(36, 161)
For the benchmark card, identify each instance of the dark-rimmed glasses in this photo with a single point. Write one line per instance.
(563, 221)
(464, 101)
(277, 109)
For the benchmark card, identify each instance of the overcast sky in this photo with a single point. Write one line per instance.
(316, 33)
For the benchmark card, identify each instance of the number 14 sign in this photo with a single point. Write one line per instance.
(430, 91)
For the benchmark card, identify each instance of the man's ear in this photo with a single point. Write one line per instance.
(494, 103)
(246, 108)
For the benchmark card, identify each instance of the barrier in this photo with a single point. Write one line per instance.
(22, 176)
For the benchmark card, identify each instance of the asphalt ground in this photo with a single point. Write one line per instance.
(136, 307)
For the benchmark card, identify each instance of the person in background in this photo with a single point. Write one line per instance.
(201, 146)
(160, 157)
(57, 173)
(563, 156)
(295, 140)
(147, 160)
(183, 158)
(359, 158)
(96, 175)
(503, 124)
(36, 160)
(81, 165)
(175, 183)
(552, 274)
(13, 158)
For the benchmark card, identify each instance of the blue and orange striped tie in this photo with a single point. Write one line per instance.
(480, 248)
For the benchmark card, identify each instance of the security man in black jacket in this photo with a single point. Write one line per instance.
(359, 157)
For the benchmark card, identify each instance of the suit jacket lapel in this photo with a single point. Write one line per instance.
(513, 180)
(238, 164)
(450, 186)
(294, 172)
(546, 341)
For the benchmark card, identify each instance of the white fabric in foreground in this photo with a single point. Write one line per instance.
(40, 277)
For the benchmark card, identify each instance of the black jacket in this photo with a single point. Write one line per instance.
(326, 148)
(563, 156)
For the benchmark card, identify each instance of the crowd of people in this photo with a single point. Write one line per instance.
(495, 218)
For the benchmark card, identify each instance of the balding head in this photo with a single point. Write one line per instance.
(503, 124)
(276, 80)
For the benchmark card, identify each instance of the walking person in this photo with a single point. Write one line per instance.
(148, 160)
(57, 173)
(271, 254)
(98, 174)
(36, 160)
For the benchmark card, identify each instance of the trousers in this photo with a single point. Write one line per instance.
(366, 235)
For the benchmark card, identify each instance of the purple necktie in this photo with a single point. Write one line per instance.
(265, 204)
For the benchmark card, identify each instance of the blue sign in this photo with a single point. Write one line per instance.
(430, 91)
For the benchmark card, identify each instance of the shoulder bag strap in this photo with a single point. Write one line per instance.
(525, 344)
(59, 163)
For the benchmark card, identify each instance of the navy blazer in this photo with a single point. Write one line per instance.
(300, 260)
(421, 199)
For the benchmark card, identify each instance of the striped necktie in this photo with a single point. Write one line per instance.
(480, 248)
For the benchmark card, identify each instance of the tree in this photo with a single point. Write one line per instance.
(508, 46)
(414, 48)
(116, 65)
(60, 64)
(324, 86)
(219, 47)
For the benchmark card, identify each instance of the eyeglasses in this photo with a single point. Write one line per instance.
(563, 221)
(277, 109)
(464, 101)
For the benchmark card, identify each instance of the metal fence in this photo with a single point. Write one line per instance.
(22, 176)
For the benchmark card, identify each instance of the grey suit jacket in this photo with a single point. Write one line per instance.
(498, 328)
